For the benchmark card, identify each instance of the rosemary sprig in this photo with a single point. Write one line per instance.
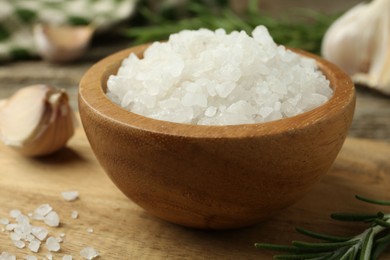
(304, 31)
(365, 246)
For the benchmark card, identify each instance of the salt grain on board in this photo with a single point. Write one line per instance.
(52, 219)
(30, 257)
(70, 195)
(7, 256)
(52, 244)
(43, 209)
(40, 232)
(15, 213)
(19, 244)
(34, 245)
(67, 257)
(10, 227)
(4, 221)
(74, 214)
(89, 253)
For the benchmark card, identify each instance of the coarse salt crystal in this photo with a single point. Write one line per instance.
(89, 253)
(15, 236)
(19, 244)
(4, 221)
(52, 219)
(67, 257)
(90, 230)
(10, 227)
(34, 245)
(74, 214)
(70, 195)
(7, 256)
(62, 234)
(15, 213)
(40, 232)
(42, 211)
(30, 257)
(29, 237)
(49, 256)
(52, 244)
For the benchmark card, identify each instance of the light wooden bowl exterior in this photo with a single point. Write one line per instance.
(214, 177)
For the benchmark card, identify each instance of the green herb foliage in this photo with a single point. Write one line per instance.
(305, 30)
(365, 246)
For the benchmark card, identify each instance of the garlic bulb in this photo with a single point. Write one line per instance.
(62, 43)
(36, 120)
(359, 42)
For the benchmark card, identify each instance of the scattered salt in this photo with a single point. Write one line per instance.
(15, 213)
(42, 211)
(52, 244)
(89, 253)
(15, 236)
(52, 219)
(90, 230)
(7, 256)
(30, 257)
(70, 195)
(215, 78)
(4, 221)
(59, 239)
(74, 214)
(62, 234)
(19, 244)
(34, 245)
(10, 227)
(40, 232)
(67, 257)
(49, 256)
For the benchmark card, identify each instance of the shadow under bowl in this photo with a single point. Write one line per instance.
(214, 177)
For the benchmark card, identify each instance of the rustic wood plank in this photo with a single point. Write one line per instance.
(122, 230)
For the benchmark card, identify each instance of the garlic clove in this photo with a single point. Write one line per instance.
(36, 120)
(62, 43)
(359, 42)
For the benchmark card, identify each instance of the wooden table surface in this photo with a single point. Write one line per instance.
(122, 230)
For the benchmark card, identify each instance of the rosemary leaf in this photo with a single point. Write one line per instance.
(323, 246)
(305, 256)
(349, 254)
(367, 245)
(322, 236)
(382, 223)
(353, 216)
(377, 202)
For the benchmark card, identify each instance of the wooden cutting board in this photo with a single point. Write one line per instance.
(122, 230)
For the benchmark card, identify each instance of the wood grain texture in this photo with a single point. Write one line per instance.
(213, 176)
(123, 230)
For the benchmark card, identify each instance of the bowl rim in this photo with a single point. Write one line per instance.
(93, 83)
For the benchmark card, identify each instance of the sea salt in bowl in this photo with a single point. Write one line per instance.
(213, 177)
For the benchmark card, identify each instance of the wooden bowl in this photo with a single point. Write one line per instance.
(214, 177)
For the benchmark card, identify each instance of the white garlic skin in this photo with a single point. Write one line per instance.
(359, 43)
(36, 120)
